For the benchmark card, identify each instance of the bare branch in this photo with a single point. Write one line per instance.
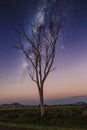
(53, 69)
(32, 77)
(40, 51)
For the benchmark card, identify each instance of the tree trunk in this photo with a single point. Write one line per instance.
(42, 108)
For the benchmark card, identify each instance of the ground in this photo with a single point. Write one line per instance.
(71, 117)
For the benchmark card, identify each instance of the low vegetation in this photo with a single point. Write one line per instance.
(71, 117)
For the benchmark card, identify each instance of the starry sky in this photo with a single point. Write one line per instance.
(70, 77)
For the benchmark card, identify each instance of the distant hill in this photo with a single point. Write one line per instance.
(76, 100)
(80, 103)
(13, 105)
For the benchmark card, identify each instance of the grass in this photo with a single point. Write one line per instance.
(57, 117)
(33, 127)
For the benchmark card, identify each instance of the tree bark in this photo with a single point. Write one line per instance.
(42, 107)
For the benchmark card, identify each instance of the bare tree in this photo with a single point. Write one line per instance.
(39, 49)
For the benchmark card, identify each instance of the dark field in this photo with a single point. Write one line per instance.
(57, 118)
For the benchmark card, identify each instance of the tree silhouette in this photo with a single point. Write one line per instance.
(39, 48)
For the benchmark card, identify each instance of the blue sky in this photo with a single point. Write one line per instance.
(70, 76)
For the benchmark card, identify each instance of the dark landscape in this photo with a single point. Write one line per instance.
(61, 117)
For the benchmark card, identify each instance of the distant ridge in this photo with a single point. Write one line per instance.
(80, 103)
(75, 100)
(12, 105)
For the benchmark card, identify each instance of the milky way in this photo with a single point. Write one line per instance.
(70, 77)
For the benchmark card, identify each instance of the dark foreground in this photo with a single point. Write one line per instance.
(73, 117)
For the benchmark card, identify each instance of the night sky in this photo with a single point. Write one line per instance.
(70, 77)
